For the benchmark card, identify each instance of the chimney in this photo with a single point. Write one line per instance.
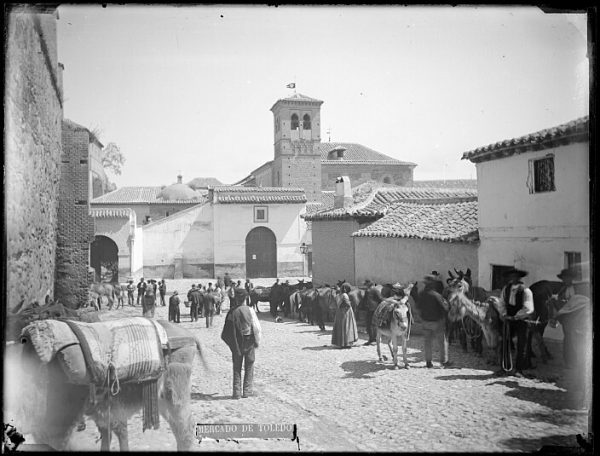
(179, 178)
(337, 153)
(343, 193)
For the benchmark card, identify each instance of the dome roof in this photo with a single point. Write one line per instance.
(177, 192)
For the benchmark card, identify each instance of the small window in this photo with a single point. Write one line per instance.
(295, 122)
(541, 175)
(573, 262)
(306, 122)
(261, 214)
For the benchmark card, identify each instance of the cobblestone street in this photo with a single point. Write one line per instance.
(345, 400)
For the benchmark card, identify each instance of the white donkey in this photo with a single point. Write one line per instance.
(399, 326)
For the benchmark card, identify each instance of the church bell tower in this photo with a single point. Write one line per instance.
(297, 133)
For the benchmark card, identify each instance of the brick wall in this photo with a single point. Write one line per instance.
(33, 114)
(75, 226)
(360, 173)
(300, 171)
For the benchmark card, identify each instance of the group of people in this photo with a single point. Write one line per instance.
(149, 290)
(433, 309)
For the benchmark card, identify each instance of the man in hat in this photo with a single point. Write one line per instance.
(518, 302)
(130, 291)
(372, 299)
(162, 288)
(141, 288)
(241, 332)
(174, 314)
(433, 309)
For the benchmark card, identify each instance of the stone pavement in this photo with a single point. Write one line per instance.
(346, 400)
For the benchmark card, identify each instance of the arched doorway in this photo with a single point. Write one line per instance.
(104, 259)
(261, 253)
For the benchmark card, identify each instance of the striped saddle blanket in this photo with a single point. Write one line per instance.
(132, 347)
(383, 314)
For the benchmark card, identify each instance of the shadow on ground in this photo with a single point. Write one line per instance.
(323, 347)
(552, 444)
(556, 400)
(208, 397)
(362, 369)
(466, 376)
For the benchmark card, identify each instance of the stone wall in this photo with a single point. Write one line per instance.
(302, 172)
(33, 115)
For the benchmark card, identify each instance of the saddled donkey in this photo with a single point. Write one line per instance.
(395, 324)
(323, 306)
(64, 379)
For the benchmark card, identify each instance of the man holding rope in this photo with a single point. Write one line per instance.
(518, 302)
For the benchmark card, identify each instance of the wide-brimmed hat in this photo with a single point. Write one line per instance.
(514, 271)
(566, 273)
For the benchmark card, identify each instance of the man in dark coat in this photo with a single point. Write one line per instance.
(210, 304)
(372, 299)
(241, 333)
(174, 314)
(163, 291)
(141, 289)
(433, 309)
(275, 298)
(194, 300)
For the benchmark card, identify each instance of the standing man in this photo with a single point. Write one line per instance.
(241, 333)
(163, 291)
(141, 289)
(209, 308)
(518, 302)
(200, 308)
(433, 309)
(190, 297)
(249, 287)
(174, 314)
(130, 291)
(372, 299)
(155, 288)
(196, 302)
(564, 294)
(149, 302)
(275, 298)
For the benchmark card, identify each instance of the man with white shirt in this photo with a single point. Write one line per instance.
(518, 302)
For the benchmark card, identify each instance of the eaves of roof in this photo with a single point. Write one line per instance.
(571, 132)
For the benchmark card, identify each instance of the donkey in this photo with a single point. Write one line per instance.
(485, 314)
(64, 404)
(399, 326)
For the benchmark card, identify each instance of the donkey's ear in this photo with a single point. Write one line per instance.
(468, 272)
(451, 277)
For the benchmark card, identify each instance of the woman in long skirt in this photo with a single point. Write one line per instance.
(345, 332)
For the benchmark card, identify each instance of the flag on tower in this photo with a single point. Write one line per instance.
(291, 85)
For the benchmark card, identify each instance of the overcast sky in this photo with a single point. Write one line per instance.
(189, 88)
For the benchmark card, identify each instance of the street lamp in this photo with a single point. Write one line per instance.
(304, 248)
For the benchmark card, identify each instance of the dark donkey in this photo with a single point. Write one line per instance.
(542, 292)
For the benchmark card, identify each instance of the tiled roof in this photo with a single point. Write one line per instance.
(357, 154)
(140, 195)
(448, 183)
(325, 203)
(453, 222)
(266, 195)
(298, 97)
(575, 131)
(104, 212)
(373, 202)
